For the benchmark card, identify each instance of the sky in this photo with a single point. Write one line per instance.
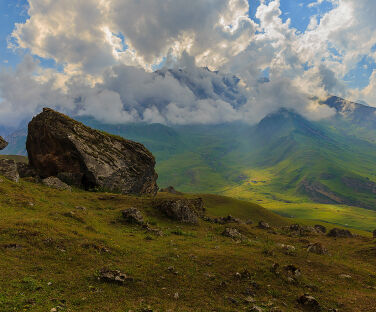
(98, 57)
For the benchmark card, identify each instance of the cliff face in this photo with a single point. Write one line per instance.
(60, 146)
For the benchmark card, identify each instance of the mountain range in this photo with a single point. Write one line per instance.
(284, 160)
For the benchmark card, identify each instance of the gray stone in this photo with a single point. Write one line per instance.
(133, 215)
(113, 276)
(320, 228)
(8, 169)
(182, 210)
(232, 233)
(341, 233)
(309, 302)
(317, 248)
(56, 183)
(60, 146)
(264, 225)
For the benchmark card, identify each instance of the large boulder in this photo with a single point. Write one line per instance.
(8, 169)
(182, 210)
(3, 143)
(78, 155)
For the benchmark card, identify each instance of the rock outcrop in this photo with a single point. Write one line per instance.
(78, 155)
(342, 233)
(183, 210)
(133, 215)
(56, 183)
(3, 143)
(8, 169)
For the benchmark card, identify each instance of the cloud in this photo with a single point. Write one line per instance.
(107, 50)
(89, 35)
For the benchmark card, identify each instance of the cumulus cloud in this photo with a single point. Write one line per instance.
(108, 48)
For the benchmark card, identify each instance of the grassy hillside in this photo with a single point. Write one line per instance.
(294, 166)
(54, 243)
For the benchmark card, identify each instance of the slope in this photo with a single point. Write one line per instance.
(54, 243)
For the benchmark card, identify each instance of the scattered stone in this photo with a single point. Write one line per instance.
(182, 210)
(156, 232)
(113, 276)
(245, 274)
(176, 296)
(317, 248)
(25, 171)
(320, 228)
(288, 249)
(223, 220)
(274, 269)
(3, 143)
(292, 271)
(56, 183)
(263, 225)
(310, 302)
(60, 146)
(255, 308)
(171, 190)
(249, 300)
(8, 169)
(133, 215)
(82, 208)
(172, 270)
(232, 233)
(341, 233)
(345, 276)
(299, 230)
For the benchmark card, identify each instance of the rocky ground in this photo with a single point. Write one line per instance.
(72, 250)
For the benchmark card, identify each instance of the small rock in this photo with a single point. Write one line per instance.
(320, 228)
(288, 249)
(263, 225)
(133, 215)
(232, 233)
(8, 169)
(249, 299)
(56, 183)
(317, 248)
(341, 233)
(182, 210)
(113, 276)
(275, 267)
(255, 308)
(292, 271)
(309, 302)
(345, 276)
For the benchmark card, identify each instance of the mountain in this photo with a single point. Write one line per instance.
(291, 165)
(358, 114)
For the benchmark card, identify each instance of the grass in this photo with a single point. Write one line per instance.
(53, 243)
